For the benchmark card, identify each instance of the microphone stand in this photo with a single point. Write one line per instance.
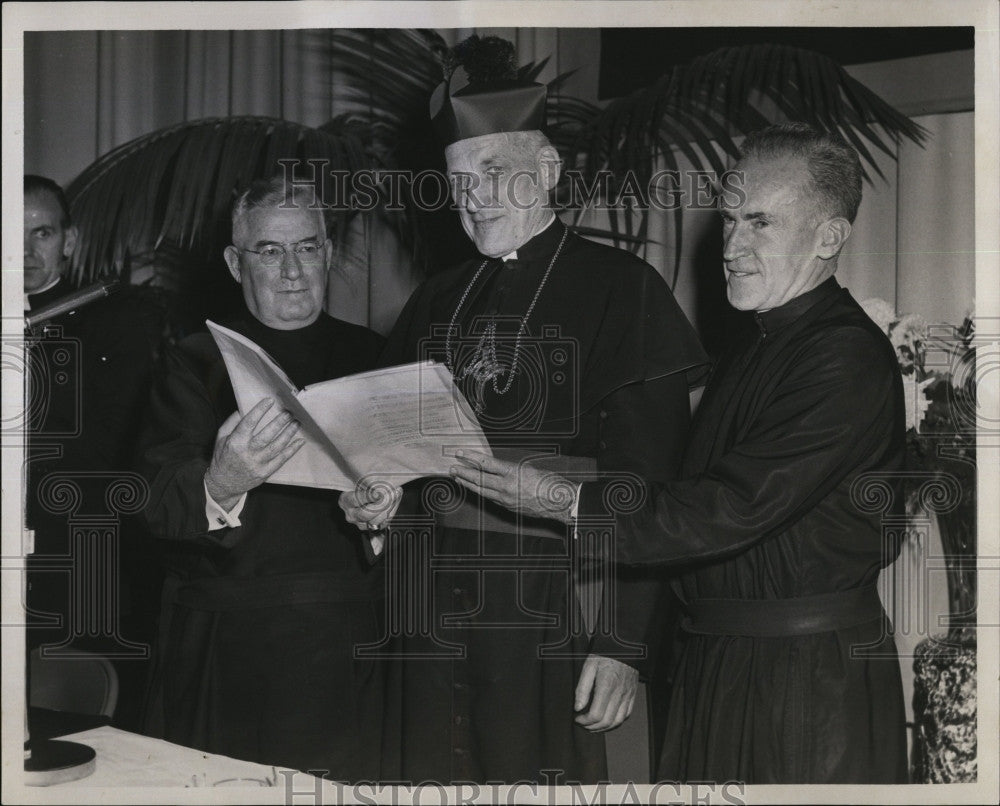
(49, 761)
(70, 302)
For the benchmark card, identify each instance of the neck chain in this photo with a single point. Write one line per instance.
(484, 367)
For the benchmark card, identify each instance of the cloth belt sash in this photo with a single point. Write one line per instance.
(245, 593)
(778, 618)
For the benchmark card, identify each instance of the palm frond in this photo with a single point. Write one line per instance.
(723, 95)
(176, 184)
(173, 187)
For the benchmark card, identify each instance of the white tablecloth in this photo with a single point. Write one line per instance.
(129, 759)
(131, 768)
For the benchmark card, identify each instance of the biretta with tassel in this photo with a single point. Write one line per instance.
(482, 94)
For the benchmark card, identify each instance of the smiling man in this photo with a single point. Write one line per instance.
(567, 349)
(786, 675)
(268, 589)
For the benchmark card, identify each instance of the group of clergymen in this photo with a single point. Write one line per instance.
(276, 643)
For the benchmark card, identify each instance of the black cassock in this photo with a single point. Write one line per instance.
(602, 374)
(255, 657)
(92, 369)
(789, 678)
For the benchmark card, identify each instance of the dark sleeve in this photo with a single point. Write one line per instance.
(642, 432)
(120, 345)
(836, 409)
(175, 449)
(411, 325)
(641, 334)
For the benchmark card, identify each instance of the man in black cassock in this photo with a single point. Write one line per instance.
(92, 366)
(268, 590)
(771, 528)
(567, 350)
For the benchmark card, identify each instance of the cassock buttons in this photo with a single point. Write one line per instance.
(602, 445)
(603, 415)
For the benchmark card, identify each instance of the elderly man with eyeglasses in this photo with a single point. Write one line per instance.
(268, 589)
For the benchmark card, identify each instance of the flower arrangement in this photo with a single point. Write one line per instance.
(938, 363)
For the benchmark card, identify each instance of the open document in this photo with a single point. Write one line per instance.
(398, 423)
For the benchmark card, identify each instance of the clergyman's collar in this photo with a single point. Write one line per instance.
(542, 245)
(769, 321)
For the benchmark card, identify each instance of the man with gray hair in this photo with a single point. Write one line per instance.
(568, 350)
(268, 590)
(787, 674)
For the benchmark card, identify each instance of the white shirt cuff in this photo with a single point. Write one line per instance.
(218, 518)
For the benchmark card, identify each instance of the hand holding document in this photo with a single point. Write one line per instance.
(399, 423)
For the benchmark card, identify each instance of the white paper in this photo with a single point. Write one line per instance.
(394, 424)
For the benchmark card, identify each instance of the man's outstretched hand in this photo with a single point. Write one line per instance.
(518, 487)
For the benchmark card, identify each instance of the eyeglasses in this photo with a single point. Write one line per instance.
(309, 253)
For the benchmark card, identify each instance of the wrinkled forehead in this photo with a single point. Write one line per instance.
(276, 223)
(773, 185)
(480, 152)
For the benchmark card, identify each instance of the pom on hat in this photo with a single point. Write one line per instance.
(482, 94)
(484, 60)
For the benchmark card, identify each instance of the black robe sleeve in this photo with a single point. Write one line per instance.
(833, 412)
(640, 334)
(177, 444)
(643, 427)
(412, 324)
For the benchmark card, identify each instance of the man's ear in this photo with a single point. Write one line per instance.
(833, 235)
(232, 256)
(549, 167)
(70, 235)
(328, 251)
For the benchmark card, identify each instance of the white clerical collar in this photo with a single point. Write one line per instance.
(513, 255)
(44, 288)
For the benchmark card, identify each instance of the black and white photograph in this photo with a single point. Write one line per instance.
(559, 402)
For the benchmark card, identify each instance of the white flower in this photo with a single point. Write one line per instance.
(908, 336)
(880, 312)
(915, 400)
(910, 329)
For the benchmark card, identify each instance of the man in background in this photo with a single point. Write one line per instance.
(91, 365)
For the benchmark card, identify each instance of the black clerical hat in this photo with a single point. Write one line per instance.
(483, 94)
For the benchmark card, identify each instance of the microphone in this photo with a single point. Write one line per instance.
(76, 299)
